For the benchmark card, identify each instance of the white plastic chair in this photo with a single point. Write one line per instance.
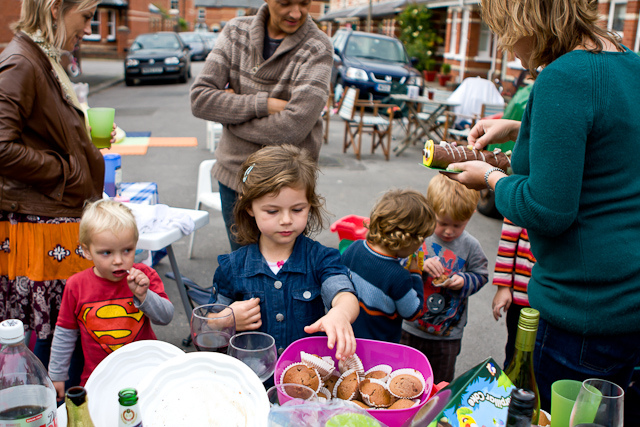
(205, 196)
(214, 132)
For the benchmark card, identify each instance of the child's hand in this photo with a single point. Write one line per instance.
(247, 314)
(413, 265)
(433, 266)
(501, 300)
(59, 386)
(336, 324)
(138, 283)
(455, 283)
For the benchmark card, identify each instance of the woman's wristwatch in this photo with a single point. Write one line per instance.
(489, 172)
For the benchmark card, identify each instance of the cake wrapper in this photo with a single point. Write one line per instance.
(352, 362)
(383, 368)
(324, 368)
(324, 393)
(407, 371)
(320, 383)
(355, 394)
(414, 401)
(326, 384)
(367, 398)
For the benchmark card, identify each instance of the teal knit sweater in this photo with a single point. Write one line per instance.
(576, 189)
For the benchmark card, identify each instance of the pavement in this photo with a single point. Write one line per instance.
(349, 186)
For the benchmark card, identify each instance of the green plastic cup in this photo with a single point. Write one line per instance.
(352, 420)
(563, 396)
(101, 122)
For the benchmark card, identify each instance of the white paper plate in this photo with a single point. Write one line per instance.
(203, 389)
(123, 368)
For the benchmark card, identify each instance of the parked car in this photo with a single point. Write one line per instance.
(196, 43)
(155, 56)
(373, 63)
(210, 39)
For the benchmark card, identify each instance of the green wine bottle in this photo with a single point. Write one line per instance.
(77, 408)
(520, 370)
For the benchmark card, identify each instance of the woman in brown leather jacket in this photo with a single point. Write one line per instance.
(48, 165)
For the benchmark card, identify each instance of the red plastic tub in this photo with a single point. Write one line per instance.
(371, 353)
(350, 227)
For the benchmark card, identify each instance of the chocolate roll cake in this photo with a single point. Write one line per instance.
(443, 154)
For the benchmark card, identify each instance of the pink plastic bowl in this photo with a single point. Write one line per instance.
(371, 353)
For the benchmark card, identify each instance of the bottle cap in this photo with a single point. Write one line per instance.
(11, 331)
(522, 401)
(77, 394)
(529, 318)
(128, 397)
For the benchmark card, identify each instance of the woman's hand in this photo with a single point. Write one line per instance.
(275, 105)
(498, 131)
(501, 300)
(247, 314)
(472, 175)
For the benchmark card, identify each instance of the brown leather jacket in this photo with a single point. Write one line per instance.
(48, 165)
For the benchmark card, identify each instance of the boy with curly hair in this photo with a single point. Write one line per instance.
(387, 292)
(457, 268)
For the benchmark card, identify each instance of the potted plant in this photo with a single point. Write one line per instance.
(445, 74)
(430, 70)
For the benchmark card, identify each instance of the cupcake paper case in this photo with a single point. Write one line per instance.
(346, 387)
(299, 373)
(406, 383)
(374, 393)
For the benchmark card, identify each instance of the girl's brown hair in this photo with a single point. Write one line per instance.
(400, 218)
(557, 27)
(36, 15)
(268, 171)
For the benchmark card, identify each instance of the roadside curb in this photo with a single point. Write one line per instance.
(104, 85)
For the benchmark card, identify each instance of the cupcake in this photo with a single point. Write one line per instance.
(299, 373)
(360, 404)
(324, 393)
(379, 372)
(330, 382)
(406, 383)
(374, 393)
(346, 387)
(403, 404)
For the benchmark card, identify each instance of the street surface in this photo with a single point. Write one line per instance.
(349, 186)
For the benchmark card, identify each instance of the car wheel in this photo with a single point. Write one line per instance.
(487, 204)
(128, 82)
(183, 77)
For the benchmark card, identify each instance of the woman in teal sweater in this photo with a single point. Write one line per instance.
(575, 185)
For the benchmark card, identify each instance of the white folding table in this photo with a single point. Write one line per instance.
(155, 241)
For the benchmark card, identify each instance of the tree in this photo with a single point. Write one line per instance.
(418, 35)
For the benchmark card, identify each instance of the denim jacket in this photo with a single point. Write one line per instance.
(295, 297)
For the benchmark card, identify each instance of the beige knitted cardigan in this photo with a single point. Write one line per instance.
(298, 72)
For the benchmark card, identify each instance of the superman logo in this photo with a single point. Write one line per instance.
(112, 323)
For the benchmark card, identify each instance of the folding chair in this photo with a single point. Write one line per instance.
(458, 135)
(492, 110)
(204, 194)
(356, 124)
(214, 132)
(197, 296)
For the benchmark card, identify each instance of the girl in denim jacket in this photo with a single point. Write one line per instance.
(282, 282)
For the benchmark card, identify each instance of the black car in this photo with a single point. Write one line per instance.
(199, 48)
(373, 63)
(155, 56)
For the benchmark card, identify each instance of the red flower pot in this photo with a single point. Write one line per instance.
(443, 79)
(429, 75)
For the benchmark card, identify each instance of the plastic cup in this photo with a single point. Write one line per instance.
(101, 122)
(563, 396)
(281, 393)
(354, 420)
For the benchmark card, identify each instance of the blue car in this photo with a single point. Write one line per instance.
(373, 63)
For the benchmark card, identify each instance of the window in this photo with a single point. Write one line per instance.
(111, 25)
(464, 33)
(485, 41)
(241, 12)
(617, 15)
(95, 28)
(175, 5)
(201, 14)
(454, 32)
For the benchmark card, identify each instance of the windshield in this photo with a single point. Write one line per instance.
(156, 41)
(190, 38)
(374, 48)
